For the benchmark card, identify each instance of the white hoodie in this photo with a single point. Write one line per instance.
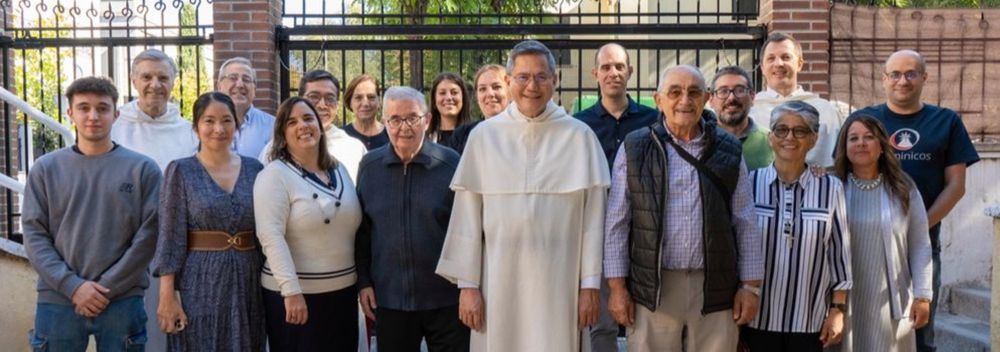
(165, 138)
(344, 148)
(830, 120)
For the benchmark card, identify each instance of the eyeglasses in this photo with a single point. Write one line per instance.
(540, 78)
(330, 100)
(910, 75)
(738, 91)
(395, 123)
(693, 93)
(236, 77)
(799, 132)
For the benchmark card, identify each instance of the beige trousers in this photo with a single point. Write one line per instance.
(681, 300)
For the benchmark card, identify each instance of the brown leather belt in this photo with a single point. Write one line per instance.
(220, 241)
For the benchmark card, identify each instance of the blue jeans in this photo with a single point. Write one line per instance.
(120, 327)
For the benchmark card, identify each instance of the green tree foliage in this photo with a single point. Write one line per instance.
(193, 78)
(418, 68)
(39, 83)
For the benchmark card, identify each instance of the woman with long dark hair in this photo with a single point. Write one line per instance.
(450, 104)
(207, 257)
(890, 248)
(307, 213)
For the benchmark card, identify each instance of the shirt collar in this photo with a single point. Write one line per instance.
(424, 155)
(771, 93)
(805, 180)
(250, 117)
(698, 140)
(632, 109)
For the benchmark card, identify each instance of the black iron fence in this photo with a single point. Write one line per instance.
(411, 45)
(47, 44)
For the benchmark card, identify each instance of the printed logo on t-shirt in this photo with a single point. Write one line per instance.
(904, 139)
(126, 187)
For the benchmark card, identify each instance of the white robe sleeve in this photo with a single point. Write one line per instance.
(462, 254)
(596, 200)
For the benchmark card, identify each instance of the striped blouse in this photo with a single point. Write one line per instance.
(806, 249)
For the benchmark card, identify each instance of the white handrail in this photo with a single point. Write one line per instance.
(39, 116)
(12, 183)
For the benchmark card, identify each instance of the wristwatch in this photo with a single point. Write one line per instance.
(842, 307)
(752, 289)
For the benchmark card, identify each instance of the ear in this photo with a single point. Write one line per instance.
(593, 72)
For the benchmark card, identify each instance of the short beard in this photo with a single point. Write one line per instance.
(735, 121)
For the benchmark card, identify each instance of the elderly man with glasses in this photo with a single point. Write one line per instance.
(238, 80)
(524, 241)
(732, 98)
(680, 235)
(404, 194)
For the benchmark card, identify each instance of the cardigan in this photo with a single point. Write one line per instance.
(907, 250)
(306, 229)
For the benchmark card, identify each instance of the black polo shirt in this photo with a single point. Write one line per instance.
(611, 131)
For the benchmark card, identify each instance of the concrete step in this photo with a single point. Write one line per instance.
(972, 302)
(954, 333)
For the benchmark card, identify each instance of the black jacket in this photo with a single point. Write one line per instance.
(406, 213)
(647, 171)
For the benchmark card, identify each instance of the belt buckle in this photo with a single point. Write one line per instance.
(235, 241)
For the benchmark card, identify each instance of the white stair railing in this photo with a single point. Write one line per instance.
(13, 184)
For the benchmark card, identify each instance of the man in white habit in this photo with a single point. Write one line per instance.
(524, 241)
(151, 124)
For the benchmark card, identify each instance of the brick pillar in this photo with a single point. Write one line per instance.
(246, 28)
(808, 21)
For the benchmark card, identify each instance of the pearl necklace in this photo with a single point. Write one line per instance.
(865, 185)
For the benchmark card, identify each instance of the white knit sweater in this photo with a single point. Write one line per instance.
(306, 230)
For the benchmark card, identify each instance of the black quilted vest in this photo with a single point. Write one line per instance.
(647, 170)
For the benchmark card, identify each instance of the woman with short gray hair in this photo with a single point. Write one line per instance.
(807, 267)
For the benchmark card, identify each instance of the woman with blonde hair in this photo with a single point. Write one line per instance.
(492, 96)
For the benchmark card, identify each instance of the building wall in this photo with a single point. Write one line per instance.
(17, 287)
(967, 233)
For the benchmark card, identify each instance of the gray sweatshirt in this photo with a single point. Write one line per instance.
(91, 218)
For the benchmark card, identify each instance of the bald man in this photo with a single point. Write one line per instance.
(933, 147)
(658, 257)
(613, 117)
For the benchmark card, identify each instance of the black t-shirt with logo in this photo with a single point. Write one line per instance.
(926, 142)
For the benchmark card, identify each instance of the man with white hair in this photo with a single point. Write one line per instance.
(524, 241)
(406, 203)
(681, 239)
(238, 80)
(151, 124)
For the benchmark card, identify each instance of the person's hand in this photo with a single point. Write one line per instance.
(817, 171)
(88, 299)
(589, 306)
(295, 310)
(170, 314)
(471, 310)
(833, 328)
(745, 306)
(620, 303)
(367, 299)
(920, 313)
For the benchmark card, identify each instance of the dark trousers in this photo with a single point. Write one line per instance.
(402, 331)
(925, 335)
(332, 324)
(768, 341)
